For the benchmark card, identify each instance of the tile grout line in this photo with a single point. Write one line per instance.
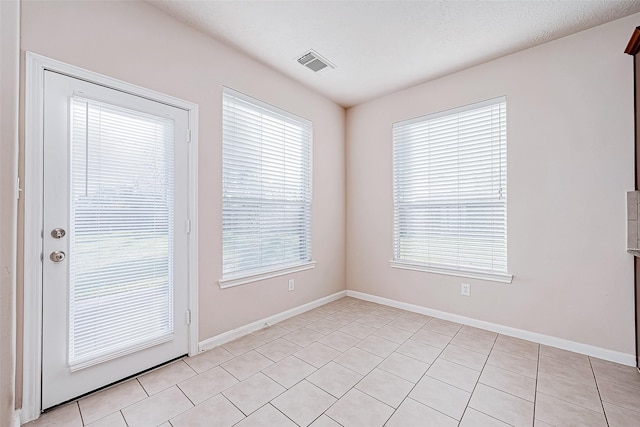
(478, 382)
(595, 379)
(535, 390)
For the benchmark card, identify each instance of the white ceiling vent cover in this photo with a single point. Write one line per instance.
(314, 61)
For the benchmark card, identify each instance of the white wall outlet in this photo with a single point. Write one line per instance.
(465, 289)
(292, 285)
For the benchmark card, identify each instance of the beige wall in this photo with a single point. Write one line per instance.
(9, 75)
(570, 161)
(137, 43)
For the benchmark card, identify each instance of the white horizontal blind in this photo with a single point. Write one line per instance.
(121, 241)
(450, 189)
(266, 185)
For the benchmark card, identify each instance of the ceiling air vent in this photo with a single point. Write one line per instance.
(314, 61)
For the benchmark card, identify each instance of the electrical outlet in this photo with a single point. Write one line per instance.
(292, 285)
(465, 289)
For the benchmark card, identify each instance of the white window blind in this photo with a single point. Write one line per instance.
(450, 190)
(266, 185)
(121, 240)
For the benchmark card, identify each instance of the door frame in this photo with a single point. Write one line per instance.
(36, 65)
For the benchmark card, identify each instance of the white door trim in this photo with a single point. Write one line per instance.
(36, 65)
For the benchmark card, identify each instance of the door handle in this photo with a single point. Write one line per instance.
(57, 256)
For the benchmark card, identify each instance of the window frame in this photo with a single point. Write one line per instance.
(262, 272)
(459, 269)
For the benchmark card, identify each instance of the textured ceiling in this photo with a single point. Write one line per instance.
(383, 46)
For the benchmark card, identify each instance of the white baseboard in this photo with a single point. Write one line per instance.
(15, 418)
(589, 350)
(233, 334)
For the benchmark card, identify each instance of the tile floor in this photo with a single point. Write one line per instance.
(355, 363)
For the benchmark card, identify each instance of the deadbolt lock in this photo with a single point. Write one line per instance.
(58, 233)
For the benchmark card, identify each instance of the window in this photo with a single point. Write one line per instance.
(266, 190)
(450, 192)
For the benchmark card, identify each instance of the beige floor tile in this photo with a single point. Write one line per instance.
(324, 326)
(294, 323)
(440, 396)
(511, 362)
(565, 356)
(621, 417)
(340, 341)
(503, 406)
(358, 330)
(477, 332)
(619, 395)
(208, 359)
(278, 349)
(444, 327)
(373, 320)
(289, 371)
(472, 342)
(538, 423)
(416, 317)
(105, 402)
(415, 414)
(419, 351)
(314, 315)
(454, 374)
(404, 367)
(303, 336)
(356, 409)
(206, 385)
(627, 376)
(462, 356)
(509, 382)
(385, 387)
(393, 334)
(324, 421)
(473, 418)
(358, 360)
(431, 338)
(388, 312)
(317, 354)
(303, 403)
(253, 392)
(335, 379)
(157, 409)
(566, 371)
(64, 416)
(569, 391)
(407, 324)
(114, 420)
(215, 412)
(343, 317)
(270, 333)
(242, 367)
(560, 413)
(378, 346)
(242, 345)
(165, 377)
(267, 416)
(517, 346)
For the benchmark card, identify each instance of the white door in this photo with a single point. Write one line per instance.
(115, 285)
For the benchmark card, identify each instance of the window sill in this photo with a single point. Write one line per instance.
(494, 277)
(243, 280)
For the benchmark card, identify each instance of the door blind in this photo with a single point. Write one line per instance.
(121, 247)
(266, 185)
(450, 189)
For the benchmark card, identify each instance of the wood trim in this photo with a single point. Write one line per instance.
(633, 47)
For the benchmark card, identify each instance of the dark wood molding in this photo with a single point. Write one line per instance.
(634, 43)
